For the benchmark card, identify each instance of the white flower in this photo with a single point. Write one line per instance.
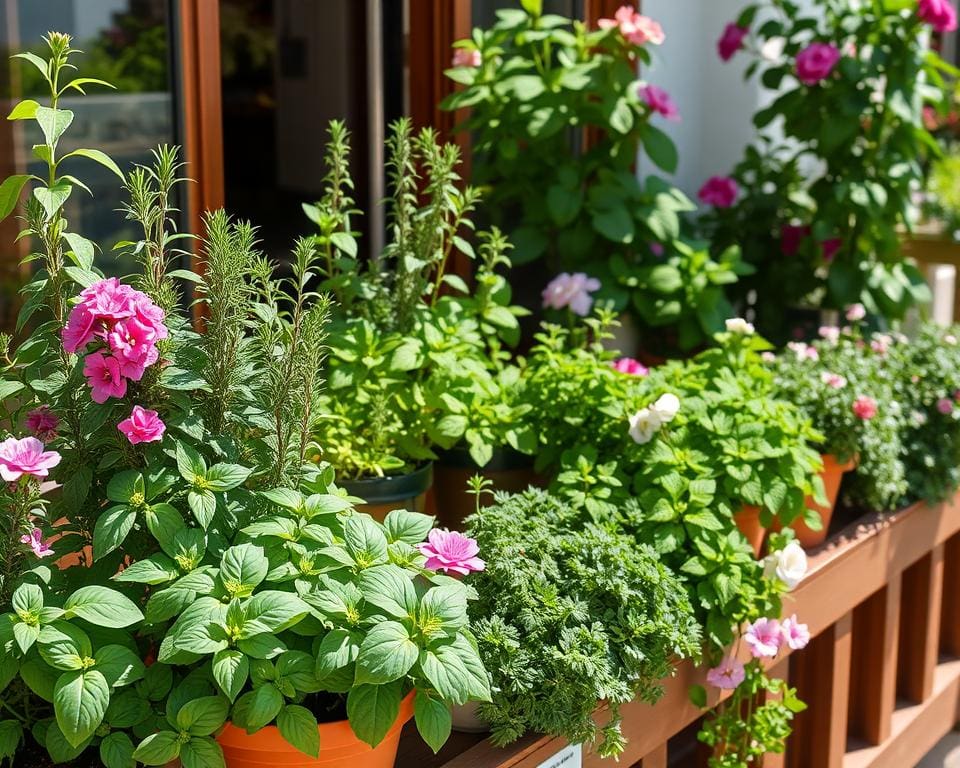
(739, 325)
(950, 339)
(772, 49)
(856, 312)
(666, 407)
(791, 564)
(644, 424)
(803, 351)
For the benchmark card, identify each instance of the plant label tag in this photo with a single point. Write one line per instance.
(571, 756)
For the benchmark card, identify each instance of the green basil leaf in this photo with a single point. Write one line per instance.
(433, 719)
(299, 727)
(230, 671)
(373, 709)
(386, 654)
(80, 700)
(158, 748)
(102, 606)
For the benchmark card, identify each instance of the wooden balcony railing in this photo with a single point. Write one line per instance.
(881, 677)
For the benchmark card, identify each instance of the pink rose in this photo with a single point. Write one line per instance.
(451, 551)
(466, 57)
(719, 191)
(36, 542)
(795, 634)
(938, 13)
(104, 377)
(791, 237)
(728, 674)
(80, 329)
(945, 406)
(25, 457)
(634, 28)
(816, 61)
(764, 638)
(566, 290)
(109, 299)
(142, 426)
(151, 315)
(829, 333)
(865, 407)
(731, 40)
(43, 423)
(659, 101)
(630, 366)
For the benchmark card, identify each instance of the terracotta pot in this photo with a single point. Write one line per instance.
(339, 746)
(748, 521)
(508, 470)
(831, 475)
(385, 494)
(466, 720)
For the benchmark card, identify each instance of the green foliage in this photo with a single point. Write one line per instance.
(544, 82)
(571, 612)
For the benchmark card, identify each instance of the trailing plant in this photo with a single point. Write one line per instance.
(851, 80)
(536, 84)
(418, 360)
(571, 613)
(204, 569)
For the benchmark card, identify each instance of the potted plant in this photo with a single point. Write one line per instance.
(535, 84)
(227, 597)
(413, 348)
(851, 81)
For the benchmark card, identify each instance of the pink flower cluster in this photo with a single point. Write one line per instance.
(765, 638)
(636, 29)
(571, 290)
(630, 366)
(865, 407)
(25, 457)
(719, 191)
(127, 322)
(659, 101)
(816, 62)
(35, 541)
(451, 551)
(938, 13)
(43, 423)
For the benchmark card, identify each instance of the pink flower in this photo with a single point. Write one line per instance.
(768, 357)
(865, 407)
(656, 249)
(816, 61)
(855, 313)
(79, 330)
(104, 377)
(25, 457)
(795, 634)
(451, 551)
(659, 101)
(728, 674)
(466, 57)
(630, 366)
(566, 290)
(109, 299)
(764, 637)
(791, 237)
(945, 405)
(829, 333)
(129, 339)
(43, 423)
(834, 380)
(939, 13)
(151, 315)
(803, 351)
(39, 547)
(636, 29)
(719, 191)
(731, 40)
(880, 343)
(829, 248)
(142, 426)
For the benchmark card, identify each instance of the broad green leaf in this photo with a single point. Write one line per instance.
(242, 568)
(26, 635)
(201, 753)
(299, 727)
(203, 716)
(386, 654)
(445, 670)
(273, 611)
(80, 700)
(39, 677)
(11, 736)
(53, 122)
(24, 110)
(443, 607)
(391, 588)
(365, 540)
(102, 606)
(189, 462)
(338, 649)
(166, 524)
(97, 156)
(226, 477)
(203, 504)
(659, 148)
(127, 709)
(27, 601)
(10, 192)
(123, 486)
(64, 646)
(119, 665)
(433, 720)
(53, 198)
(112, 529)
(411, 527)
(61, 750)
(116, 751)
(230, 670)
(260, 707)
(373, 709)
(158, 748)
(153, 570)
(83, 252)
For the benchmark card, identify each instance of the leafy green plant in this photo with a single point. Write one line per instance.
(537, 83)
(571, 613)
(852, 80)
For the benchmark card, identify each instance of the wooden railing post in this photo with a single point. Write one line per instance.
(822, 678)
(950, 609)
(920, 626)
(656, 759)
(873, 676)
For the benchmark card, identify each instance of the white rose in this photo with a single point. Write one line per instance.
(772, 49)
(644, 424)
(791, 564)
(739, 325)
(666, 407)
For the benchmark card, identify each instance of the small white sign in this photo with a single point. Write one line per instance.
(571, 756)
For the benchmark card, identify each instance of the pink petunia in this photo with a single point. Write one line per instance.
(764, 638)
(630, 366)
(466, 57)
(940, 14)
(731, 40)
(659, 101)
(816, 62)
(728, 674)
(635, 28)
(104, 377)
(25, 456)
(571, 290)
(865, 407)
(37, 544)
(451, 551)
(142, 426)
(719, 191)
(795, 634)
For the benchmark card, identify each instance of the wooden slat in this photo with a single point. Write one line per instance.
(950, 607)
(656, 759)
(876, 627)
(920, 626)
(822, 674)
(781, 671)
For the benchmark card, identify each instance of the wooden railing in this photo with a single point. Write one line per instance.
(881, 677)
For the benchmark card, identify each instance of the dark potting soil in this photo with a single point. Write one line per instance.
(34, 756)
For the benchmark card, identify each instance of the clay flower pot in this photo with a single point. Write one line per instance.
(748, 521)
(339, 747)
(832, 475)
(385, 494)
